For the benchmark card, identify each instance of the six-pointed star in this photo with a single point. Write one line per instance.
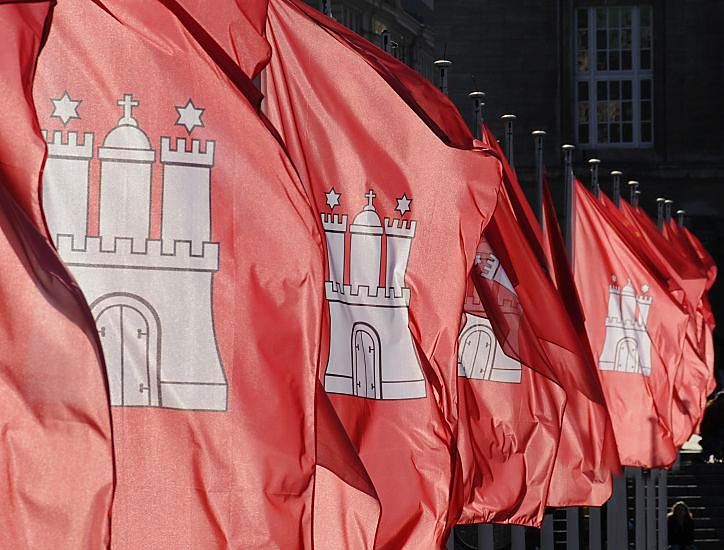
(65, 108)
(403, 204)
(189, 116)
(332, 198)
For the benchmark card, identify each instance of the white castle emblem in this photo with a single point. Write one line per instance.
(627, 347)
(151, 299)
(371, 351)
(480, 356)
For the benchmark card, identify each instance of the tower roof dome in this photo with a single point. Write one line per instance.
(368, 216)
(127, 137)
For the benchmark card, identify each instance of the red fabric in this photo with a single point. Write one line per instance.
(694, 377)
(587, 457)
(222, 451)
(510, 415)
(56, 454)
(628, 339)
(349, 132)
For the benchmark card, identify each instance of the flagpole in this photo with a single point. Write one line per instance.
(443, 65)
(636, 198)
(568, 185)
(649, 476)
(660, 213)
(633, 186)
(616, 174)
(680, 215)
(386, 41)
(326, 7)
(509, 120)
(663, 507)
(595, 186)
(538, 136)
(478, 105)
(668, 205)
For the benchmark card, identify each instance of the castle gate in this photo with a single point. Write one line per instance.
(129, 334)
(476, 353)
(366, 364)
(627, 356)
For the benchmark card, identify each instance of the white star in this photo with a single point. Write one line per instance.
(65, 108)
(332, 198)
(189, 116)
(403, 204)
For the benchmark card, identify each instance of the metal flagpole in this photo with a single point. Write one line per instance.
(680, 215)
(443, 65)
(660, 212)
(478, 105)
(616, 522)
(568, 182)
(508, 120)
(633, 186)
(538, 136)
(649, 478)
(326, 7)
(595, 186)
(663, 507)
(668, 204)
(640, 507)
(616, 192)
(572, 515)
(636, 198)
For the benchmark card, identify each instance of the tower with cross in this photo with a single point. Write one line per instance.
(371, 354)
(151, 298)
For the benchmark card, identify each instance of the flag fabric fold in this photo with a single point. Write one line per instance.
(636, 330)
(198, 252)
(402, 213)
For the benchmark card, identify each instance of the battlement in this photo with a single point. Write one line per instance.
(644, 300)
(182, 155)
(362, 295)
(334, 223)
(400, 228)
(473, 305)
(613, 289)
(71, 148)
(127, 253)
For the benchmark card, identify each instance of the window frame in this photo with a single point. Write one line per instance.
(592, 76)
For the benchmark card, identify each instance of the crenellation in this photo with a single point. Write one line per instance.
(182, 155)
(334, 223)
(400, 228)
(70, 147)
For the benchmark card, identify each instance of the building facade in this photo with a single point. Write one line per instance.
(638, 85)
(403, 27)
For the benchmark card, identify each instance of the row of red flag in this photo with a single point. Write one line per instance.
(320, 315)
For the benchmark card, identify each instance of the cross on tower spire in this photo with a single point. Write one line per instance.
(128, 103)
(370, 197)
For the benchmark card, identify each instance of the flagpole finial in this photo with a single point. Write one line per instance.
(660, 211)
(616, 191)
(668, 205)
(443, 65)
(680, 215)
(594, 164)
(478, 105)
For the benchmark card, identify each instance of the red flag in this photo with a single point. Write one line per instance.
(402, 214)
(199, 254)
(636, 332)
(694, 379)
(510, 415)
(56, 455)
(587, 457)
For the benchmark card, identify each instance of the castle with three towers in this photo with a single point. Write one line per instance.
(151, 298)
(371, 352)
(627, 347)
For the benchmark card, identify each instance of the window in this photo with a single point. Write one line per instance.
(614, 76)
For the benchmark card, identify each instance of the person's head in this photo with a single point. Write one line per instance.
(680, 511)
